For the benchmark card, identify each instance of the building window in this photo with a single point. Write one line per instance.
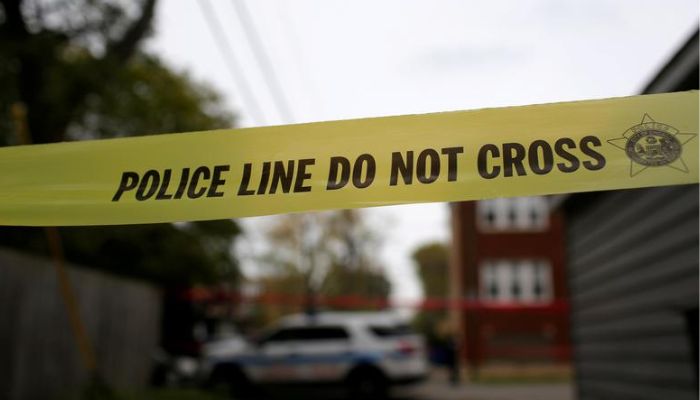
(516, 281)
(520, 214)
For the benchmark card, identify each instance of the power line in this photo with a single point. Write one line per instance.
(263, 60)
(297, 49)
(233, 67)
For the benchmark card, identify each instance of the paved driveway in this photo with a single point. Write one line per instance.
(435, 390)
(440, 390)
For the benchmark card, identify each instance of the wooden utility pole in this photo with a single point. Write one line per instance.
(53, 237)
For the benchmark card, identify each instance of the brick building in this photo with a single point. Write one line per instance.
(508, 257)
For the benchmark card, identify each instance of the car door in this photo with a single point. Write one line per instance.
(321, 354)
(271, 359)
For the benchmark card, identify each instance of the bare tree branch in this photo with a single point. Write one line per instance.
(121, 49)
(14, 20)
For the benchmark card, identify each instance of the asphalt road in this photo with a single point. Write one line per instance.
(436, 390)
(440, 390)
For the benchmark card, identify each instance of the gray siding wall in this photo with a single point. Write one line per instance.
(633, 272)
(38, 356)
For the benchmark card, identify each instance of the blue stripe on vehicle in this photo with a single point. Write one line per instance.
(259, 360)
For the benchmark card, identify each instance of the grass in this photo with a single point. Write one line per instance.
(169, 394)
(104, 393)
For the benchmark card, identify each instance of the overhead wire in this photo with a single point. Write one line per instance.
(233, 67)
(297, 50)
(263, 61)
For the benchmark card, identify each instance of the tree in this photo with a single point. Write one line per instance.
(370, 283)
(56, 55)
(432, 266)
(432, 262)
(147, 97)
(77, 68)
(325, 254)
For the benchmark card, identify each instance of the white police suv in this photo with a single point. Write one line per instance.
(364, 351)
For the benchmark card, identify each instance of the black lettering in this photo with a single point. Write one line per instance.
(421, 173)
(162, 195)
(511, 159)
(336, 180)
(452, 161)
(357, 171)
(560, 147)
(151, 180)
(534, 157)
(585, 144)
(302, 175)
(192, 191)
(245, 180)
(482, 163)
(265, 177)
(282, 176)
(398, 165)
(183, 183)
(216, 181)
(129, 181)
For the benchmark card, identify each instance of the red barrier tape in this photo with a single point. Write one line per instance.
(361, 302)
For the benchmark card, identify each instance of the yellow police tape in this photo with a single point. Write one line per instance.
(618, 143)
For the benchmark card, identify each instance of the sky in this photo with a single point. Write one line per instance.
(334, 59)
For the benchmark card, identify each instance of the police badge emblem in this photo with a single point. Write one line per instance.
(653, 144)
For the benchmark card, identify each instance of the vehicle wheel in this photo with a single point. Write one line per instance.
(367, 385)
(240, 387)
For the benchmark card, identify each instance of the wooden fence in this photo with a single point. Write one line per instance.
(38, 355)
